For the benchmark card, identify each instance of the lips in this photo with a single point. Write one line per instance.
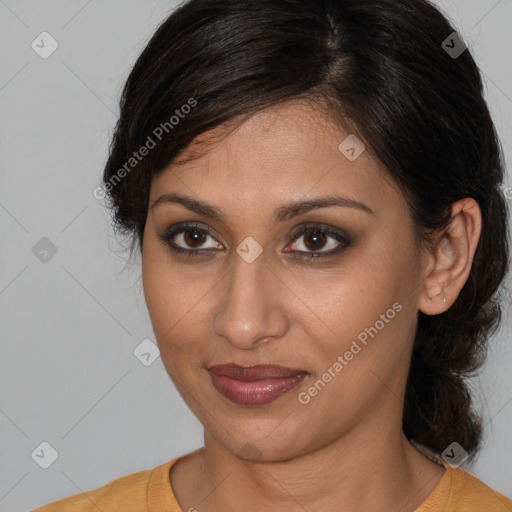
(254, 385)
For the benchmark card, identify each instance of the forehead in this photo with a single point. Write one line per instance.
(275, 128)
(285, 152)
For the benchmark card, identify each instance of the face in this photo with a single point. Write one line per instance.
(329, 292)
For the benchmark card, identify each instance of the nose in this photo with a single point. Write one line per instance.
(252, 306)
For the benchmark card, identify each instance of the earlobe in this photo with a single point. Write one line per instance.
(450, 262)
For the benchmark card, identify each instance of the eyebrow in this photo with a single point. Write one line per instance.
(285, 212)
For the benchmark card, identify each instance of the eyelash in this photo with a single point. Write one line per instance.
(339, 236)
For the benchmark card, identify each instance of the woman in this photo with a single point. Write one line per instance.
(314, 186)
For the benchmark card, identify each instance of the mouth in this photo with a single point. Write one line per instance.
(254, 385)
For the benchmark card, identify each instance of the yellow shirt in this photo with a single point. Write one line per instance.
(150, 491)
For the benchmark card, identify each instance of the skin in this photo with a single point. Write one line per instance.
(346, 445)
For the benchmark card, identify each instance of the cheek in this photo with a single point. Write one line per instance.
(177, 304)
(156, 287)
(163, 292)
(365, 314)
(165, 289)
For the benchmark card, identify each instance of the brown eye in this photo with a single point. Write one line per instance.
(189, 238)
(194, 237)
(318, 241)
(314, 238)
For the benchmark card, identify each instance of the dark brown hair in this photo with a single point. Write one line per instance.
(381, 67)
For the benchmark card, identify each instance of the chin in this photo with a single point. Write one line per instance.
(261, 441)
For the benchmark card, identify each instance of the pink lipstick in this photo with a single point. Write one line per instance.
(254, 385)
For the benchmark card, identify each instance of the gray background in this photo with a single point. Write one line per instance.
(69, 325)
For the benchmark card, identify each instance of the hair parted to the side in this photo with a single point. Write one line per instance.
(380, 67)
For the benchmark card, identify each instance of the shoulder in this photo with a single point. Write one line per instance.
(124, 494)
(469, 494)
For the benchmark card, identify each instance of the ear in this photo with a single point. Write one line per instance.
(448, 266)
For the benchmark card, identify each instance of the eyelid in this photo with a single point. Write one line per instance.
(182, 227)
